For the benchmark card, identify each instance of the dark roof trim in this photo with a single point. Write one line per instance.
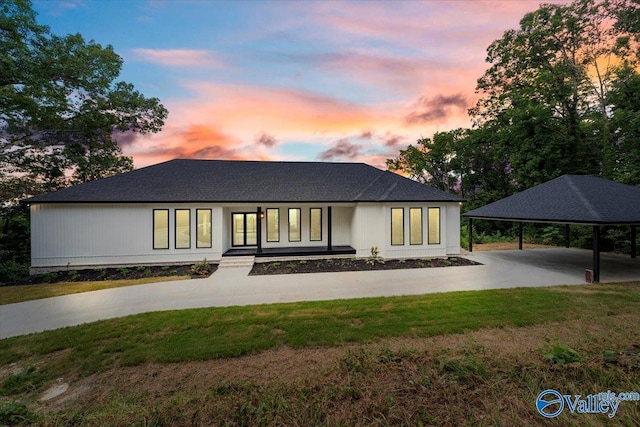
(546, 221)
(263, 202)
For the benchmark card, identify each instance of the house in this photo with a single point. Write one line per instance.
(183, 211)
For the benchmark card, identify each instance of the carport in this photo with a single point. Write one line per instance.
(569, 199)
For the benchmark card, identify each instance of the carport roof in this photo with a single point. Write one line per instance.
(569, 199)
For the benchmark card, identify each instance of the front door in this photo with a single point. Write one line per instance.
(245, 229)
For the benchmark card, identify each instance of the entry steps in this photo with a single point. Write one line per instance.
(236, 261)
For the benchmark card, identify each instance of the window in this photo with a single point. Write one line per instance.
(434, 226)
(415, 226)
(397, 226)
(273, 225)
(183, 229)
(203, 221)
(315, 218)
(294, 225)
(160, 229)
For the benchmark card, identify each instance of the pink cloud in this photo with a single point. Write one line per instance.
(179, 57)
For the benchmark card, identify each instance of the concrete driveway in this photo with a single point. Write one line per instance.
(232, 286)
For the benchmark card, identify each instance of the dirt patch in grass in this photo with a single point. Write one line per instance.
(487, 377)
(353, 264)
(106, 274)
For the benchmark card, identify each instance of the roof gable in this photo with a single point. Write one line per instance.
(185, 180)
(569, 199)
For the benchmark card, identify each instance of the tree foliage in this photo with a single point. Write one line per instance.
(61, 112)
(61, 107)
(559, 96)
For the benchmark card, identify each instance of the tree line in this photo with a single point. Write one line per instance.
(62, 111)
(561, 95)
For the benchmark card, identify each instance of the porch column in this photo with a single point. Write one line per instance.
(520, 233)
(470, 234)
(634, 237)
(329, 246)
(566, 235)
(259, 230)
(596, 254)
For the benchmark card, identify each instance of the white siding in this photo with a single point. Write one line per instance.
(368, 229)
(453, 229)
(76, 235)
(371, 226)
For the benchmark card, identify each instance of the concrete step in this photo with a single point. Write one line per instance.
(236, 261)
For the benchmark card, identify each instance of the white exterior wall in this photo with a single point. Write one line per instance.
(453, 229)
(367, 229)
(77, 235)
(371, 226)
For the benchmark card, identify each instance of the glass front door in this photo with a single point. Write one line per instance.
(245, 229)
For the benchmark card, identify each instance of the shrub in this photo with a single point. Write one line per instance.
(11, 271)
(202, 268)
(375, 257)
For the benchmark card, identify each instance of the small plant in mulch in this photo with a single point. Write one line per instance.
(375, 257)
(202, 268)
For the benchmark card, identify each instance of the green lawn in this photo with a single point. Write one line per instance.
(201, 334)
(478, 379)
(13, 294)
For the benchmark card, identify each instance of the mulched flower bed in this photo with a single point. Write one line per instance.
(351, 264)
(99, 274)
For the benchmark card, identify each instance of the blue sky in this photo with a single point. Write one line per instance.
(294, 80)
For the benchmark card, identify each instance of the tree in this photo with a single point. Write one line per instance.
(61, 110)
(61, 106)
(625, 127)
(548, 85)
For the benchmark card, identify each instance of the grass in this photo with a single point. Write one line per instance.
(203, 334)
(13, 294)
(471, 381)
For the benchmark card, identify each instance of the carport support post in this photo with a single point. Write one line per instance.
(596, 254)
(633, 241)
(520, 233)
(470, 234)
(566, 235)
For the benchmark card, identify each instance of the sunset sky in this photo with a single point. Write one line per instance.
(298, 80)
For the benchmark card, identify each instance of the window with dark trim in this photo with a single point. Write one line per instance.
(183, 228)
(415, 226)
(203, 230)
(161, 229)
(434, 226)
(294, 225)
(273, 225)
(315, 224)
(397, 226)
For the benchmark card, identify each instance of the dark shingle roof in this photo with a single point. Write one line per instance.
(569, 199)
(222, 181)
